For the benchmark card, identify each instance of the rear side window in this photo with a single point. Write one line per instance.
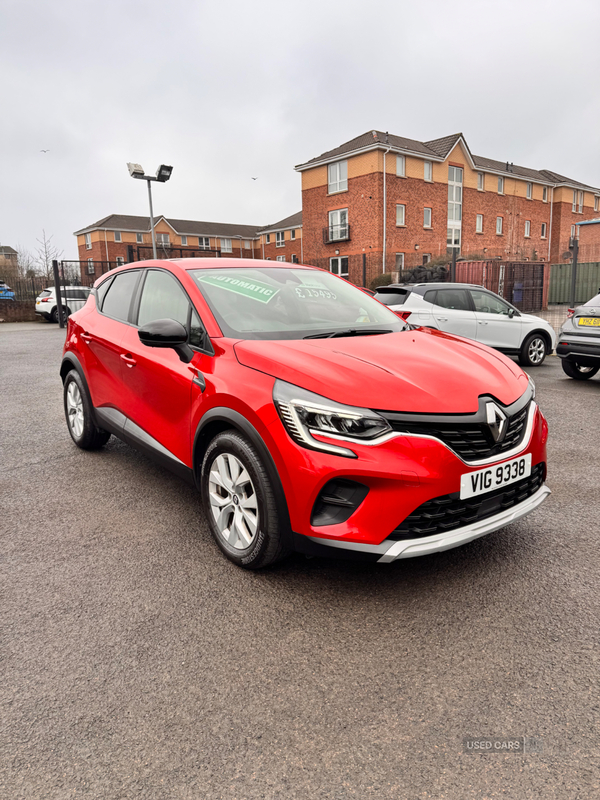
(163, 298)
(391, 298)
(453, 299)
(118, 296)
(45, 293)
(430, 296)
(101, 291)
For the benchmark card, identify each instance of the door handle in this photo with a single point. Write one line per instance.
(482, 322)
(86, 337)
(129, 360)
(443, 319)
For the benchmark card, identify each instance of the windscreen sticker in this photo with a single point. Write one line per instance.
(314, 293)
(252, 289)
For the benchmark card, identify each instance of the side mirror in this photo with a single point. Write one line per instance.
(167, 333)
(511, 313)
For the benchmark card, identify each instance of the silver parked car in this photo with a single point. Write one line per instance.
(473, 312)
(579, 341)
(73, 297)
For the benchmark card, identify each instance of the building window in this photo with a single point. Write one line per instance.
(247, 244)
(500, 185)
(400, 215)
(91, 267)
(527, 228)
(268, 238)
(428, 171)
(88, 241)
(529, 191)
(543, 230)
(280, 239)
(280, 258)
(337, 177)
(581, 202)
(401, 166)
(574, 206)
(480, 182)
(498, 225)
(339, 266)
(596, 201)
(295, 259)
(455, 176)
(427, 218)
(120, 261)
(545, 194)
(573, 230)
(184, 241)
(479, 223)
(453, 240)
(399, 261)
(163, 238)
(292, 235)
(226, 246)
(139, 238)
(204, 242)
(118, 236)
(426, 258)
(338, 224)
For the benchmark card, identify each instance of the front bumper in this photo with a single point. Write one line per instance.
(390, 550)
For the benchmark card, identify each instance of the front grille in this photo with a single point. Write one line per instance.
(470, 440)
(447, 512)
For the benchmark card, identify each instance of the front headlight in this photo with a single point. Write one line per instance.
(532, 385)
(304, 413)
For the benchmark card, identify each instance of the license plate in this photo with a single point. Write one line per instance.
(591, 321)
(486, 480)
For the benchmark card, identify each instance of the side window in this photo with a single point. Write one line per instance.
(101, 291)
(162, 298)
(453, 299)
(198, 336)
(430, 296)
(118, 296)
(488, 304)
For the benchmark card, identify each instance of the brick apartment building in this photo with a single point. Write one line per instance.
(283, 240)
(407, 202)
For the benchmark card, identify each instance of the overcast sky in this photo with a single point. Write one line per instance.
(225, 91)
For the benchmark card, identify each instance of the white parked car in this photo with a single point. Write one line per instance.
(73, 298)
(475, 313)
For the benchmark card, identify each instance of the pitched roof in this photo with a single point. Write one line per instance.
(443, 146)
(6, 250)
(556, 178)
(295, 221)
(510, 169)
(369, 140)
(126, 222)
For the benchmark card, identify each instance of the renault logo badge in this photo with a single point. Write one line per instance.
(497, 421)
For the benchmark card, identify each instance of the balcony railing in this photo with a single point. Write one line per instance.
(336, 233)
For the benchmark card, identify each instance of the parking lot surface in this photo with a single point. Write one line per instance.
(136, 662)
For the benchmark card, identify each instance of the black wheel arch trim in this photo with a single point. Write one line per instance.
(545, 336)
(231, 419)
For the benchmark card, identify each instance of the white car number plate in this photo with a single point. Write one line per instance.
(486, 480)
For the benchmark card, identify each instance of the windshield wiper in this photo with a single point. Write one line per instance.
(346, 332)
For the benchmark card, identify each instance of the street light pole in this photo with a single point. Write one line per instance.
(148, 181)
(163, 173)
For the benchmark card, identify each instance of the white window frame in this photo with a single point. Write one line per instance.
(226, 246)
(500, 185)
(596, 202)
(120, 261)
(139, 238)
(581, 202)
(339, 258)
(280, 239)
(267, 238)
(479, 223)
(338, 222)
(530, 191)
(499, 225)
(247, 245)
(292, 234)
(426, 215)
(184, 241)
(528, 229)
(574, 206)
(544, 230)
(280, 258)
(428, 171)
(204, 242)
(400, 261)
(426, 256)
(337, 177)
(91, 267)
(401, 211)
(118, 237)
(480, 182)
(573, 231)
(401, 166)
(164, 239)
(88, 241)
(544, 194)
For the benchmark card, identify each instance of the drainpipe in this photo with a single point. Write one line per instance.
(106, 245)
(550, 226)
(301, 247)
(263, 245)
(385, 152)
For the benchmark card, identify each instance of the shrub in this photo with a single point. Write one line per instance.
(381, 280)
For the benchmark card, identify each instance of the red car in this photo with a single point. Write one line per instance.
(309, 416)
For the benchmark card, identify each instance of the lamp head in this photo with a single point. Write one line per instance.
(135, 170)
(163, 173)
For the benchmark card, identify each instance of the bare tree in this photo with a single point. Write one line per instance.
(46, 253)
(25, 263)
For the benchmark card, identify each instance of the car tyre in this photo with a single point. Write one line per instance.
(533, 351)
(78, 413)
(54, 314)
(577, 371)
(240, 504)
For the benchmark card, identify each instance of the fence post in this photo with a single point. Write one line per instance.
(574, 271)
(453, 267)
(59, 306)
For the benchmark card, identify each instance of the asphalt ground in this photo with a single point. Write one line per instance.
(136, 662)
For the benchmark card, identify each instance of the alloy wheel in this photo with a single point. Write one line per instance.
(536, 350)
(233, 501)
(75, 409)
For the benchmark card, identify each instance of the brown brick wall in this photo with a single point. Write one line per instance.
(18, 311)
(562, 219)
(290, 248)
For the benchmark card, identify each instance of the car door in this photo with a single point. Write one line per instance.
(496, 326)
(160, 388)
(102, 331)
(453, 313)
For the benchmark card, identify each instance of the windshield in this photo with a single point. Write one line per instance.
(286, 303)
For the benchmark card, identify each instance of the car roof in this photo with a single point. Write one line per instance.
(233, 263)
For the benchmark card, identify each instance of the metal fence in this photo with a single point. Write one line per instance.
(587, 282)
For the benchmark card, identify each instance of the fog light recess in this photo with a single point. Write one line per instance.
(337, 501)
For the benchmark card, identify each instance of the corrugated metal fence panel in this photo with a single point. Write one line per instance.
(588, 283)
(521, 283)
